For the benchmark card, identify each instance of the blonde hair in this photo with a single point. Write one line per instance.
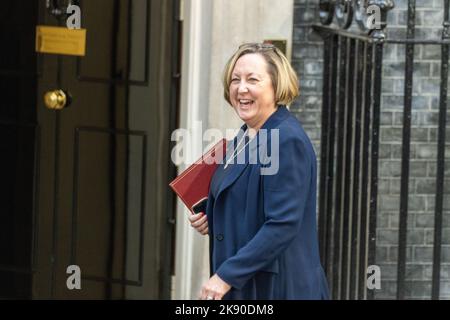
(284, 79)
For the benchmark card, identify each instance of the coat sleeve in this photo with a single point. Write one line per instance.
(284, 197)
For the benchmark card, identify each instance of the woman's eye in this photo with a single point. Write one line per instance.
(253, 79)
(234, 80)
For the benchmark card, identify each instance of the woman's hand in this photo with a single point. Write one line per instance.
(200, 222)
(214, 289)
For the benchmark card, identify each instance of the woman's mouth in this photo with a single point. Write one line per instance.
(245, 103)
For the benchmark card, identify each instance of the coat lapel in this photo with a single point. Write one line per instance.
(235, 170)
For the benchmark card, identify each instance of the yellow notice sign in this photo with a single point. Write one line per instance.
(61, 40)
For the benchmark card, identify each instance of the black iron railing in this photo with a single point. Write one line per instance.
(350, 141)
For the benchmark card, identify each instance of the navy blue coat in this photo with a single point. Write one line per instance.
(262, 228)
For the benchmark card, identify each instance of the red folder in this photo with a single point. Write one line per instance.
(192, 185)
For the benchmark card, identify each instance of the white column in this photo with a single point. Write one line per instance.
(192, 248)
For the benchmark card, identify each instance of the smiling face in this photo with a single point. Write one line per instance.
(252, 93)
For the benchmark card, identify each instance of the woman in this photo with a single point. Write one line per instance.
(262, 226)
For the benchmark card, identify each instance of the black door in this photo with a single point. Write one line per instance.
(86, 185)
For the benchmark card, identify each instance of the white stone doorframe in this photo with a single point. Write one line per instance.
(191, 251)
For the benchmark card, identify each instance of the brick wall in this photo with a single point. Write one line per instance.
(307, 58)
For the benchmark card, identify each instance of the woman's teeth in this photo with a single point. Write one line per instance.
(245, 102)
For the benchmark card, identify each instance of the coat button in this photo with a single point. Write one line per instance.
(219, 237)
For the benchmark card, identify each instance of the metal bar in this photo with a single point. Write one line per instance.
(330, 164)
(435, 288)
(347, 163)
(348, 34)
(324, 145)
(337, 258)
(378, 63)
(406, 141)
(356, 191)
(368, 65)
(417, 41)
(343, 33)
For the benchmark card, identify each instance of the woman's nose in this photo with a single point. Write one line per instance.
(242, 87)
